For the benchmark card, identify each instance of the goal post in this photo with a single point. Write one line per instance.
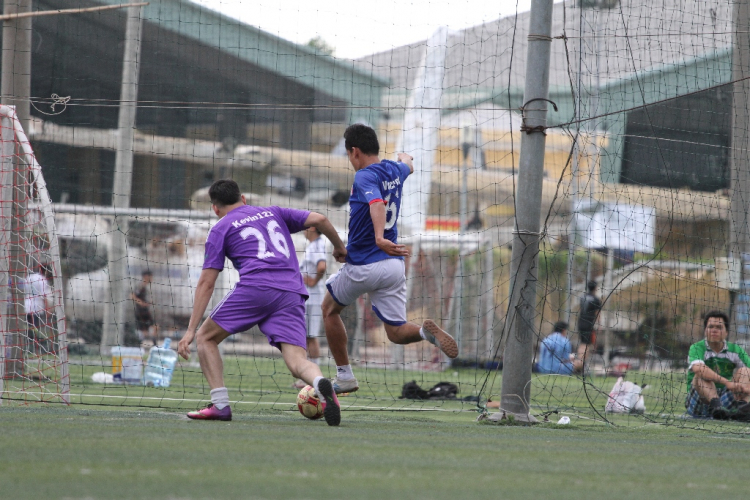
(33, 343)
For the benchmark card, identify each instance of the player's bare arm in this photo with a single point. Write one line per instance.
(708, 374)
(406, 160)
(322, 224)
(203, 292)
(377, 213)
(320, 271)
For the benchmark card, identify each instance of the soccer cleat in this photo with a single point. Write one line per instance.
(299, 384)
(344, 386)
(210, 412)
(440, 338)
(741, 411)
(331, 408)
(717, 411)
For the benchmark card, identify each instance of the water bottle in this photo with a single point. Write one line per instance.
(160, 365)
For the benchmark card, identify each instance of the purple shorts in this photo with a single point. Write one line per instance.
(279, 314)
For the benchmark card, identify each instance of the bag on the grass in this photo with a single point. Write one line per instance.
(443, 390)
(625, 397)
(411, 390)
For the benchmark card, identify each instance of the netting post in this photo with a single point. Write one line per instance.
(6, 216)
(16, 61)
(517, 358)
(739, 244)
(115, 314)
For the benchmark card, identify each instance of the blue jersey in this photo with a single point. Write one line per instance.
(377, 183)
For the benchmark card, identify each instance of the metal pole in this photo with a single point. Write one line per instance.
(115, 315)
(489, 297)
(522, 304)
(606, 291)
(740, 145)
(16, 65)
(15, 87)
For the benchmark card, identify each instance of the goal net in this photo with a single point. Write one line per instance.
(33, 346)
(645, 177)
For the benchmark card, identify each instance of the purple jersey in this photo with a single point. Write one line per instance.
(377, 183)
(258, 241)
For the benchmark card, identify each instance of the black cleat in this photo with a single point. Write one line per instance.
(717, 411)
(332, 410)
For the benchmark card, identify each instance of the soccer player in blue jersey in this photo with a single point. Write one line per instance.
(374, 260)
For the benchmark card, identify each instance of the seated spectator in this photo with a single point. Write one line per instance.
(554, 352)
(718, 378)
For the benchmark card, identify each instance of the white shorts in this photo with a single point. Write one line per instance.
(313, 318)
(384, 281)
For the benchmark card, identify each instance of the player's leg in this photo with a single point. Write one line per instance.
(313, 319)
(742, 394)
(343, 289)
(208, 338)
(584, 351)
(388, 296)
(285, 329)
(335, 330)
(241, 309)
(344, 382)
(742, 377)
(297, 362)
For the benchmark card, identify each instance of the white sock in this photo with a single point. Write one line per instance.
(422, 333)
(315, 384)
(315, 360)
(220, 398)
(344, 372)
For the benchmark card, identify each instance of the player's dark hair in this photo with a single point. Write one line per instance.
(46, 270)
(560, 326)
(362, 137)
(591, 285)
(147, 272)
(716, 314)
(224, 192)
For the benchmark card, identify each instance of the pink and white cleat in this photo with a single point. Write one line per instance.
(210, 412)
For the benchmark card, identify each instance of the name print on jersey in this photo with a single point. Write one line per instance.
(388, 185)
(252, 218)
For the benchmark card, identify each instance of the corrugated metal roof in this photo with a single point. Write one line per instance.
(633, 37)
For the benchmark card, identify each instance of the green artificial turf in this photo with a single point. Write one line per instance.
(75, 452)
(119, 441)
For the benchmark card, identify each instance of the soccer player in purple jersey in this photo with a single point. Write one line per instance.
(270, 292)
(374, 259)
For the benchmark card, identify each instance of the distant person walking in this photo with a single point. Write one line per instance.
(144, 318)
(588, 314)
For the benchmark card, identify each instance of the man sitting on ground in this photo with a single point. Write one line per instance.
(718, 378)
(554, 352)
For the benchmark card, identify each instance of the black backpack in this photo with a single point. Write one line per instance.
(411, 390)
(443, 390)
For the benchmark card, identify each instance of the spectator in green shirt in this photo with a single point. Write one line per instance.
(718, 377)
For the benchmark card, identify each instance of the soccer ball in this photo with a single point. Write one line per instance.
(308, 403)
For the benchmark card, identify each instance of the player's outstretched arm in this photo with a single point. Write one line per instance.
(203, 292)
(406, 160)
(377, 213)
(322, 224)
